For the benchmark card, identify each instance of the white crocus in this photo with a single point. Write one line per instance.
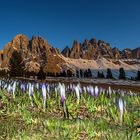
(77, 93)
(14, 88)
(31, 90)
(44, 93)
(109, 91)
(96, 91)
(91, 90)
(121, 109)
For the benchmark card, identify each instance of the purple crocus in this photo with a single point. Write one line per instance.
(61, 90)
(91, 90)
(23, 87)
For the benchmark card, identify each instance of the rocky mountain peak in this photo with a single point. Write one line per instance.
(36, 54)
(75, 50)
(20, 42)
(93, 41)
(66, 51)
(94, 49)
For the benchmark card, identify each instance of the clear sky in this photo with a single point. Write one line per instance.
(62, 21)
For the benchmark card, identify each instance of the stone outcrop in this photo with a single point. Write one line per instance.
(36, 53)
(75, 51)
(93, 49)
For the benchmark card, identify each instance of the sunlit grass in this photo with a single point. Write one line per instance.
(90, 118)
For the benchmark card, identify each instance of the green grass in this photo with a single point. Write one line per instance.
(92, 118)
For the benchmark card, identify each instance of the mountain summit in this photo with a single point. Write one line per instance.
(38, 56)
(93, 49)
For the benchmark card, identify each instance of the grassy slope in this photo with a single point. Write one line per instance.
(92, 118)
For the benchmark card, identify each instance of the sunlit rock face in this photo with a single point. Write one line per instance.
(89, 49)
(75, 51)
(127, 53)
(116, 53)
(36, 53)
(93, 49)
(66, 51)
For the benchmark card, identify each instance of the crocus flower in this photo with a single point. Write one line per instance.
(85, 90)
(5, 86)
(31, 90)
(88, 90)
(77, 93)
(62, 93)
(44, 93)
(14, 88)
(96, 91)
(121, 109)
(79, 87)
(109, 91)
(91, 89)
(23, 87)
(124, 105)
(61, 90)
(56, 90)
(37, 86)
(48, 90)
(9, 88)
(70, 87)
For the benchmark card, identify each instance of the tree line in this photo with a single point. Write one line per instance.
(122, 75)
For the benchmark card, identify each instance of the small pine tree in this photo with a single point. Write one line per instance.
(69, 73)
(89, 73)
(77, 73)
(138, 75)
(85, 73)
(41, 75)
(100, 75)
(109, 74)
(63, 73)
(81, 73)
(16, 65)
(122, 74)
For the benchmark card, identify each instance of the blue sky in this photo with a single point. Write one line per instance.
(62, 21)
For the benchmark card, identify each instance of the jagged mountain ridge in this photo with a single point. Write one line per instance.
(38, 54)
(93, 49)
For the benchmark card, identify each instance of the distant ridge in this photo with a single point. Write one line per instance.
(93, 49)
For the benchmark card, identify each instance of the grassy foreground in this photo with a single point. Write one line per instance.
(90, 118)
